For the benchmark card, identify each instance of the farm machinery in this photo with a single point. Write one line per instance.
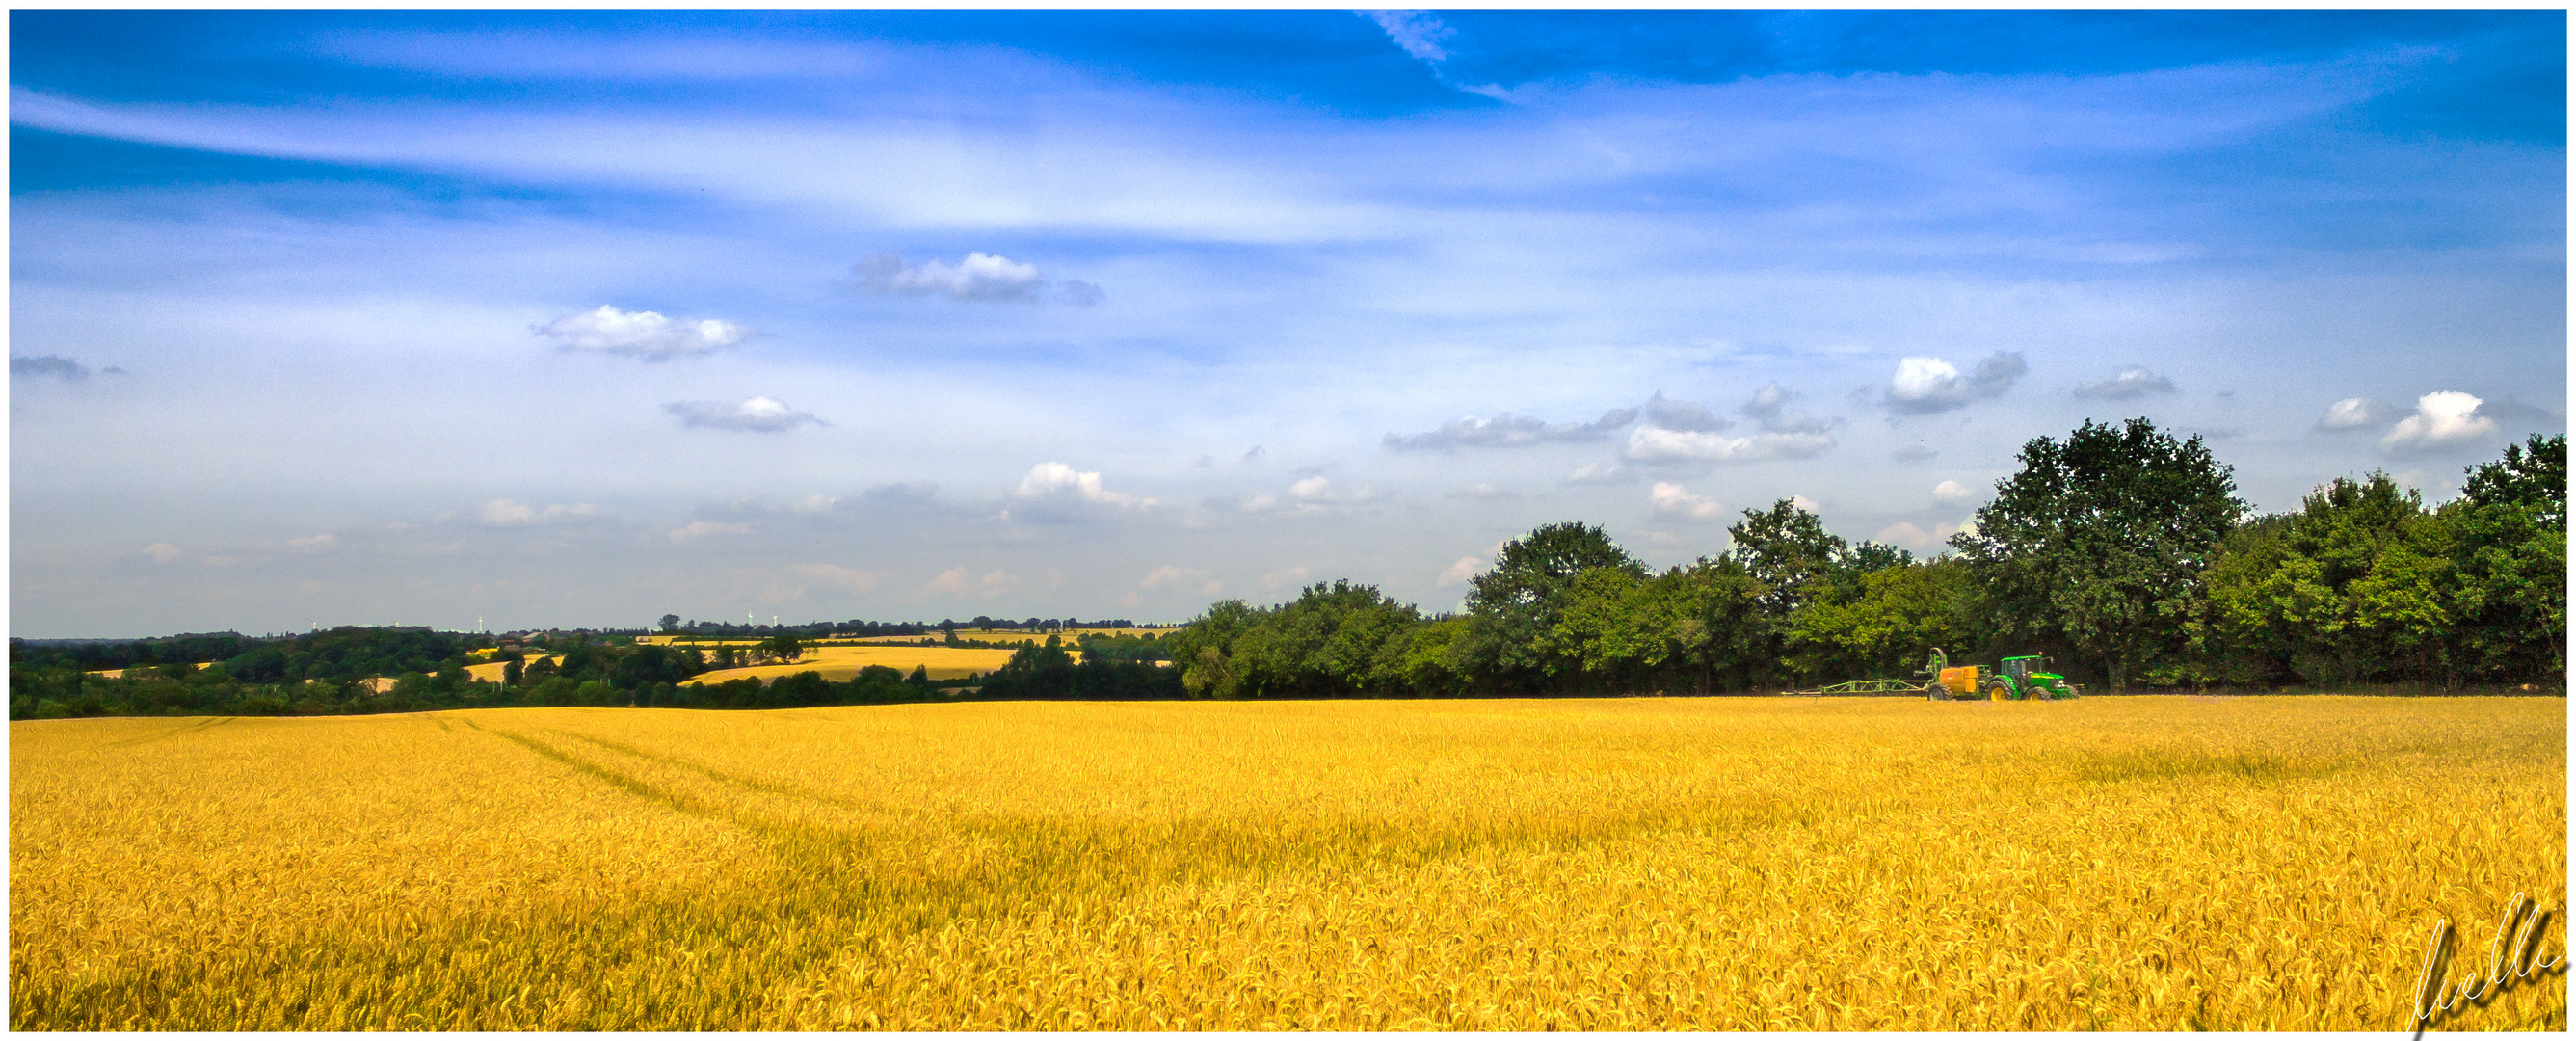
(2022, 678)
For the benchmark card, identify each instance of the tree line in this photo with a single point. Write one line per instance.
(2122, 552)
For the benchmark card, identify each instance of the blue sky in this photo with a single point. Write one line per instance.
(574, 319)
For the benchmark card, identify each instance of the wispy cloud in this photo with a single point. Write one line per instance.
(2130, 382)
(1422, 35)
(1510, 431)
(979, 278)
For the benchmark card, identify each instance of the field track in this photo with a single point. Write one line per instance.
(2123, 863)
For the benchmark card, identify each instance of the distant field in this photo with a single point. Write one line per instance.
(838, 663)
(985, 635)
(2118, 863)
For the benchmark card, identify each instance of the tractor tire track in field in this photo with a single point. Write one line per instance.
(765, 787)
(205, 724)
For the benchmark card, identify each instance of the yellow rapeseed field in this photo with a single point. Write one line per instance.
(2121, 863)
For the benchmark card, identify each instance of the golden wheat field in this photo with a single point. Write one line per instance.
(840, 662)
(2127, 863)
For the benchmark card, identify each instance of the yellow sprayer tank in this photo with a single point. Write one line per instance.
(1961, 680)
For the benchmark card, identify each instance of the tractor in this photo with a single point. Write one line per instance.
(2024, 678)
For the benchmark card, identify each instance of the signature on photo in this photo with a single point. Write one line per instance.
(2513, 956)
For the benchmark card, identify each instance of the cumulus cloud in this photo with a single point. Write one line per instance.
(49, 366)
(1597, 473)
(979, 278)
(1952, 491)
(834, 575)
(700, 529)
(763, 415)
(641, 334)
(1927, 385)
(163, 552)
(313, 543)
(2355, 414)
(1658, 445)
(1510, 431)
(1057, 480)
(2442, 419)
(507, 513)
(1673, 500)
(2130, 382)
(1460, 573)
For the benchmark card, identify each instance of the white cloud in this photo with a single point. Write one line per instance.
(2355, 414)
(1804, 503)
(1320, 490)
(1905, 534)
(762, 415)
(844, 578)
(958, 581)
(1059, 481)
(1926, 385)
(1285, 578)
(313, 543)
(2130, 382)
(980, 277)
(1171, 575)
(163, 552)
(1596, 473)
(1912, 536)
(504, 513)
(1510, 431)
(2442, 419)
(1460, 573)
(1655, 444)
(1418, 32)
(641, 334)
(701, 529)
(1952, 491)
(1673, 500)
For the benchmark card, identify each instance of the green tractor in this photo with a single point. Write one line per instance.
(2027, 678)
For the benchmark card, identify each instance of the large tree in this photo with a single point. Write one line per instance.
(1513, 609)
(2099, 542)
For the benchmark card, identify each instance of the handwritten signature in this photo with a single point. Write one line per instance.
(2515, 955)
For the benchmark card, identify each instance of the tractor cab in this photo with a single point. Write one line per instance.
(2023, 668)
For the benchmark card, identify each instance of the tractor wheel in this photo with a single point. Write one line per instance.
(1997, 691)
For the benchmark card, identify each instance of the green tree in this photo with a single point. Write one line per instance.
(2100, 542)
(1511, 639)
(2510, 559)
